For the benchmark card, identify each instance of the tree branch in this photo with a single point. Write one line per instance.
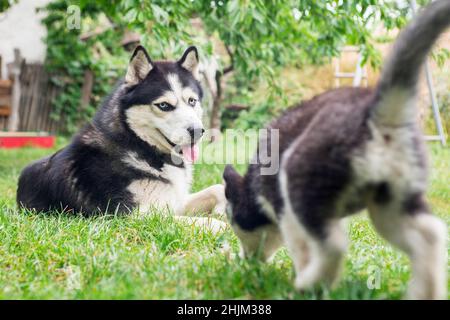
(231, 66)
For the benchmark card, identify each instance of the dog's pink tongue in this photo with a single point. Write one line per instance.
(190, 153)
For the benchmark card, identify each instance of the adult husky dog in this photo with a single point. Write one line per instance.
(343, 151)
(137, 151)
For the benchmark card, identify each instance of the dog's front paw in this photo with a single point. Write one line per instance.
(208, 224)
(213, 225)
(221, 202)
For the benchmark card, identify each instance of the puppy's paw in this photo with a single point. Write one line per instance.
(302, 284)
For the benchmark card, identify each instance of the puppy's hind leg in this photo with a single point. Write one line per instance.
(424, 238)
(316, 259)
(322, 236)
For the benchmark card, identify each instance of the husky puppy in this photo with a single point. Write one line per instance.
(343, 151)
(137, 151)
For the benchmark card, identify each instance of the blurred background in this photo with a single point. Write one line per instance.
(59, 58)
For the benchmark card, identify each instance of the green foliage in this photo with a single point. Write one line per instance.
(260, 109)
(5, 4)
(68, 57)
(441, 56)
(262, 36)
(443, 99)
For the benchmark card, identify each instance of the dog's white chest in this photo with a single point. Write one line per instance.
(168, 193)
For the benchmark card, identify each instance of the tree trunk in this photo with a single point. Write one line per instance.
(214, 124)
(86, 92)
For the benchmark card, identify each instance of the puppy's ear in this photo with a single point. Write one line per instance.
(233, 183)
(190, 61)
(139, 67)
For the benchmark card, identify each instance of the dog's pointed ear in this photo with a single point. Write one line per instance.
(233, 182)
(190, 61)
(139, 67)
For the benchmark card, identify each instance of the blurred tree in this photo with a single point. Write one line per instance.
(92, 49)
(5, 4)
(259, 36)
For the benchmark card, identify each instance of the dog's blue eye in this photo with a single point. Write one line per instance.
(192, 102)
(164, 106)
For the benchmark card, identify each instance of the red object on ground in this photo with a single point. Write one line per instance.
(27, 141)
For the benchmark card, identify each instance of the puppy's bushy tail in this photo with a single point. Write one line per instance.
(397, 86)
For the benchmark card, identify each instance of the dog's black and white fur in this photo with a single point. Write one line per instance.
(129, 156)
(343, 151)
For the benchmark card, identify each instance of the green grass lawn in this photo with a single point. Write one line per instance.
(59, 257)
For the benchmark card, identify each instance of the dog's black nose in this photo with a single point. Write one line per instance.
(195, 133)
